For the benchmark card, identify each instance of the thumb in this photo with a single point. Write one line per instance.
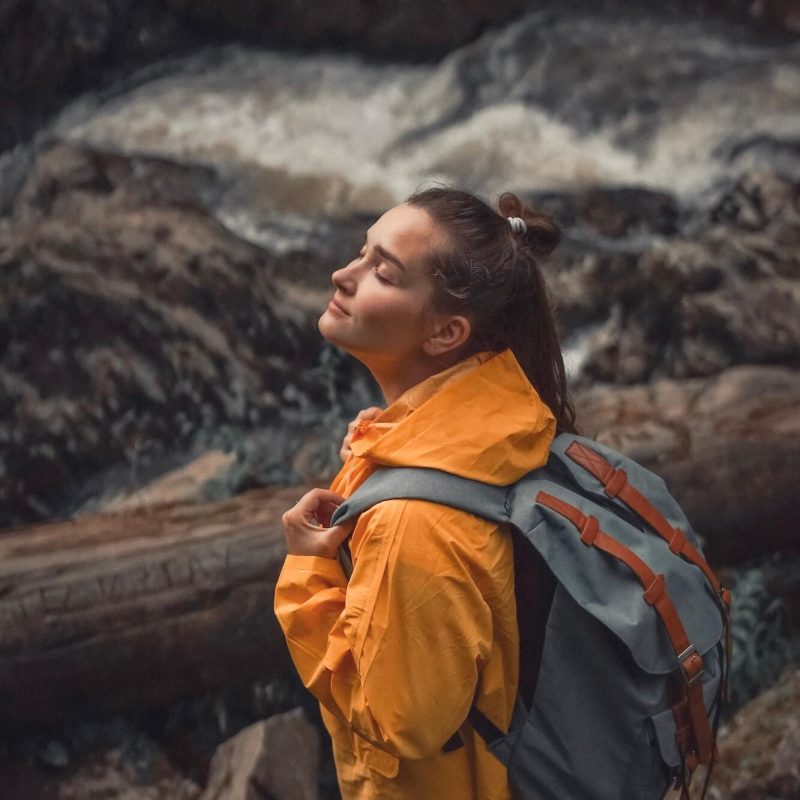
(335, 535)
(369, 413)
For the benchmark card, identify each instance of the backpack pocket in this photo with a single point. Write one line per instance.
(664, 729)
(648, 776)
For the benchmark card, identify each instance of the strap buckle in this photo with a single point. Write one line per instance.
(689, 661)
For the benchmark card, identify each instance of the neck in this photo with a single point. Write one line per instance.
(396, 378)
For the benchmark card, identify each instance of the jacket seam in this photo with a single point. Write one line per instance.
(382, 544)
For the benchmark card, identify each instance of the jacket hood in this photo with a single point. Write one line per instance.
(479, 419)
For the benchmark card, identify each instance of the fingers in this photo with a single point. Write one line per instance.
(334, 536)
(324, 512)
(369, 413)
(305, 525)
(315, 506)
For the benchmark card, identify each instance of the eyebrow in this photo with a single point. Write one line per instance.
(386, 254)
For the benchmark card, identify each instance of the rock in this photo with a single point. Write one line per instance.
(728, 447)
(182, 485)
(51, 50)
(410, 29)
(108, 775)
(781, 14)
(276, 759)
(724, 291)
(133, 767)
(758, 750)
(54, 755)
(614, 212)
(132, 326)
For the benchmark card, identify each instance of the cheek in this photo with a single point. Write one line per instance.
(403, 317)
(376, 308)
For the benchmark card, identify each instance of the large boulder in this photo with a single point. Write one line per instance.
(112, 760)
(50, 51)
(780, 14)
(131, 322)
(758, 752)
(276, 759)
(409, 29)
(723, 291)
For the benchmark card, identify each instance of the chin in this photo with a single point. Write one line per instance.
(323, 325)
(327, 329)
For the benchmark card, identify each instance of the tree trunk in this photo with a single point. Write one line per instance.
(110, 611)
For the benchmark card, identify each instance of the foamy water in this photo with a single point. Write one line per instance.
(662, 105)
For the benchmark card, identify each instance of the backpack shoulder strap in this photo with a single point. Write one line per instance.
(419, 483)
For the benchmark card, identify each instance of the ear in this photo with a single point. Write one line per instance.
(448, 333)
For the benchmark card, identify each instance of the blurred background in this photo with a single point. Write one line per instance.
(177, 182)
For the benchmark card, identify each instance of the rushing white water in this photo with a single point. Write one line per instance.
(548, 102)
(577, 349)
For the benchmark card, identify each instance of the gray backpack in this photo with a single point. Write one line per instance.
(624, 629)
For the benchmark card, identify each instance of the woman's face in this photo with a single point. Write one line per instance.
(381, 309)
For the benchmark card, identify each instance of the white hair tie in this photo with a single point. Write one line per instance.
(518, 224)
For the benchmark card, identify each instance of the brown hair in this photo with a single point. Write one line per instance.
(491, 274)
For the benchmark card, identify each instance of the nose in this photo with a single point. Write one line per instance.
(344, 279)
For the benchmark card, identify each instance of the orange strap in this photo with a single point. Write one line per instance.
(655, 594)
(615, 483)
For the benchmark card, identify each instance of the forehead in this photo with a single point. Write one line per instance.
(408, 233)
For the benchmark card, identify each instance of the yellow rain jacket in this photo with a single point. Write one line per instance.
(427, 622)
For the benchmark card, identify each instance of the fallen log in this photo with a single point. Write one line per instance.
(119, 610)
(728, 447)
(112, 611)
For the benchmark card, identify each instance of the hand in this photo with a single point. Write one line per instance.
(306, 525)
(365, 413)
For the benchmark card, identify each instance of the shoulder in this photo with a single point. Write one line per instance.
(411, 519)
(436, 537)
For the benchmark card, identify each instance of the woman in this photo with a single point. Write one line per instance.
(446, 307)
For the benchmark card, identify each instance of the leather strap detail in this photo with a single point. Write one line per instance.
(591, 461)
(615, 483)
(703, 738)
(680, 710)
(683, 737)
(689, 660)
(589, 530)
(653, 592)
(677, 541)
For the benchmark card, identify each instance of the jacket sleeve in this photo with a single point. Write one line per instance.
(397, 655)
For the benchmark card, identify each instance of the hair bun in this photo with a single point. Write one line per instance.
(543, 233)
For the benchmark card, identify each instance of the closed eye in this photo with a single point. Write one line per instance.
(380, 277)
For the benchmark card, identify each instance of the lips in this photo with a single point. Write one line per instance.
(337, 309)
